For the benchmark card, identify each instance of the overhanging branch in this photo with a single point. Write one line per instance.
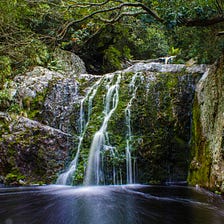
(221, 33)
(120, 16)
(89, 4)
(123, 9)
(111, 9)
(202, 22)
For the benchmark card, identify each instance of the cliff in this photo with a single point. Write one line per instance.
(207, 166)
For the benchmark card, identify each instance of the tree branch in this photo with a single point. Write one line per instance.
(115, 8)
(89, 4)
(202, 22)
(120, 16)
(221, 33)
(219, 6)
(121, 11)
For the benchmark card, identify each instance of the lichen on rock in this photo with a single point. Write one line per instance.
(208, 129)
(30, 151)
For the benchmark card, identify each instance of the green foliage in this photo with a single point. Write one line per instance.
(29, 29)
(174, 51)
(5, 99)
(23, 27)
(175, 10)
(112, 58)
(14, 177)
(198, 43)
(5, 70)
(199, 170)
(148, 42)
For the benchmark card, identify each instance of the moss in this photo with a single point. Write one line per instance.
(5, 70)
(15, 178)
(199, 170)
(26, 159)
(157, 122)
(34, 106)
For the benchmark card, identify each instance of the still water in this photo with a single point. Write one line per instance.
(129, 204)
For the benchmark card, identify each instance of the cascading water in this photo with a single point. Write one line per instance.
(125, 119)
(93, 175)
(67, 177)
(130, 172)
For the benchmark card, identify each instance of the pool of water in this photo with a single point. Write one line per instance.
(128, 204)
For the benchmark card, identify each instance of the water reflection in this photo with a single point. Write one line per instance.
(132, 204)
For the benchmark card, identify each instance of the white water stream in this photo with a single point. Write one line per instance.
(67, 176)
(129, 168)
(93, 174)
(103, 157)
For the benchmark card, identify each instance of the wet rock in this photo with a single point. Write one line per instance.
(69, 63)
(208, 129)
(31, 152)
(59, 104)
(172, 68)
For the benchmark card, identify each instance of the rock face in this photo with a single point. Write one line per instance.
(34, 82)
(31, 152)
(171, 68)
(207, 166)
(69, 63)
(58, 105)
(36, 141)
(35, 137)
(151, 117)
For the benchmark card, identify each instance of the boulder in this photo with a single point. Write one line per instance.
(59, 104)
(31, 152)
(207, 166)
(68, 62)
(33, 82)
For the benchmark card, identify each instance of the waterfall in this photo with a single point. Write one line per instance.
(97, 171)
(93, 175)
(67, 177)
(131, 118)
(129, 171)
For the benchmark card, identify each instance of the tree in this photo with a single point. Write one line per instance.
(105, 32)
(99, 28)
(178, 12)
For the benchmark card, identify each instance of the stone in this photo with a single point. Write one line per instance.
(32, 152)
(69, 63)
(172, 68)
(208, 129)
(59, 102)
(34, 82)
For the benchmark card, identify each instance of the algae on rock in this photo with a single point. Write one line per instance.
(160, 124)
(207, 166)
(31, 152)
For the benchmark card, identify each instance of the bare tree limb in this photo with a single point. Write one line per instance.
(111, 9)
(202, 22)
(140, 8)
(120, 16)
(221, 33)
(219, 6)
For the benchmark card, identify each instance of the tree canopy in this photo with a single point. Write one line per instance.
(178, 12)
(108, 32)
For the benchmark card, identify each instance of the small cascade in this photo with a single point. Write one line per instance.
(168, 59)
(93, 174)
(131, 118)
(66, 178)
(129, 172)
